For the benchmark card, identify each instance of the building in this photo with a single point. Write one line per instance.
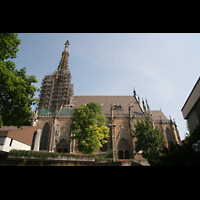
(191, 108)
(55, 109)
(12, 137)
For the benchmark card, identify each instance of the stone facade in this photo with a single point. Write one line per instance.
(53, 116)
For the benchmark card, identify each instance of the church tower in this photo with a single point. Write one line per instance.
(55, 109)
(57, 90)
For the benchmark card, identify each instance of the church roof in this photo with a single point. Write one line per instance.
(125, 101)
(157, 114)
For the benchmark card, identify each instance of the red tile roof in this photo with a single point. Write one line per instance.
(11, 128)
(125, 101)
(24, 135)
(157, 114)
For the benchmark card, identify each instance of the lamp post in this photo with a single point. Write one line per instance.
(196, 147)
(111, 126)
(114, 107)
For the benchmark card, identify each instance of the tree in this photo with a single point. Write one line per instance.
(187, 134)
(88, 127)
(16, 89)
(181, 155)
(148, 139)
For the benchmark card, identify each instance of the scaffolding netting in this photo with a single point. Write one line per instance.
(53, 111)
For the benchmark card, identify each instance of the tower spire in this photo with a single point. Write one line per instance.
(67, 46)
(64, 60)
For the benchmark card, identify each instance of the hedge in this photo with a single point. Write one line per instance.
(42, 154)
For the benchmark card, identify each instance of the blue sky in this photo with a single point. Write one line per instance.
(162, 67)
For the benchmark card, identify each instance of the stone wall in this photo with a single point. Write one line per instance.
(121, 132)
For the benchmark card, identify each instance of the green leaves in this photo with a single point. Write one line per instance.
(148, 139)
(88, 126)
(16, 89)
(181, 155)
(8, 45)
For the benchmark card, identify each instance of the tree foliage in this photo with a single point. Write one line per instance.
(181, 155)
(88, 127)
(148, 139)
(16, 89)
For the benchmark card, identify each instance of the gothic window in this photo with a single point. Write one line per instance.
(123, 154)
(62, 146)
(44, 137)
(123, 145)
(123, 149)
(126, 154)
(65, 150)
(120, 154)
(169, 138)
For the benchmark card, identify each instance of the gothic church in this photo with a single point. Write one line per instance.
(55, 109)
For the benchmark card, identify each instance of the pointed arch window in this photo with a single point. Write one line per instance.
(44, 137)
(123, 149)
(62, 146)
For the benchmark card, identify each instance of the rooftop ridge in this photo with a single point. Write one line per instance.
(12, 128)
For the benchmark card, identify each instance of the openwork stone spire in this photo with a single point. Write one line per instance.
(67, 45)
(57, 90)
(65, 56)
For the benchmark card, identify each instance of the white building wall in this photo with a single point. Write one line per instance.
(192, 120)
(192, 99)
(15, 145)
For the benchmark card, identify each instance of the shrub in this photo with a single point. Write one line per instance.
(42, 154)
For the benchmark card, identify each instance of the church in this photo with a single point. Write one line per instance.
(55, 109)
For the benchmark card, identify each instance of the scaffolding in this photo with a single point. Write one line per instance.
(52, 111)
(56, 90)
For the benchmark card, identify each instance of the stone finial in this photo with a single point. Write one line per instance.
(148, 108)
(143, 105)
(134, 92)
(67, 45)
